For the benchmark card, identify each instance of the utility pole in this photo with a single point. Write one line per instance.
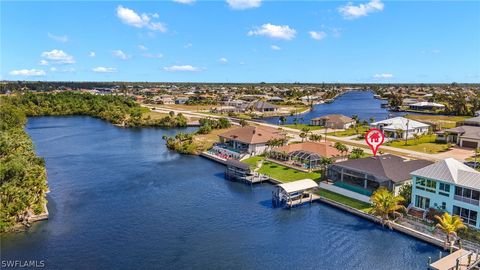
(406, 137)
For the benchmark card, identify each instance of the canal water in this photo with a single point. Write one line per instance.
(361, 103)
(120, 200)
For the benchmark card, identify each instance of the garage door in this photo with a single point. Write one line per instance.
(469, 144)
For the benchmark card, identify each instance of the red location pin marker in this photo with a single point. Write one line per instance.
(374, 139)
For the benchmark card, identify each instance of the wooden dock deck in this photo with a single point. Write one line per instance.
(459, 260)
(300, 201)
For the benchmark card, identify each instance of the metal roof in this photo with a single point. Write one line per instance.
(452, 171)
(299, 185)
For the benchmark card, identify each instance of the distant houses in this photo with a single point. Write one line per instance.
(466, 134)
(426, 106)
(463, 136)
(336, 121)
(359, 178)
(400, 128)
(448, 185)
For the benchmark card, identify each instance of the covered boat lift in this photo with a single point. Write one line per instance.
(294, 193)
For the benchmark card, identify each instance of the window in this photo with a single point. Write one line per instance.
(426, 184)
(468, 216)
(444, 205)
(467, 195)
(444, 187)
(422, 202)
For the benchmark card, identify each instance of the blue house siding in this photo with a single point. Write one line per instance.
(435, 196)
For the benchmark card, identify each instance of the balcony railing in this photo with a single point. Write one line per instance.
(467, 200)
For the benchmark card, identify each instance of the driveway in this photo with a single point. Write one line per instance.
(457, 153)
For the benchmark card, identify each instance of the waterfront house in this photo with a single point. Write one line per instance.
(464, 136)
(398, 128)
(306, 155)
(336, 121)
(364, 175)
(426, 106)
(250, 140)
(262, 106)
(448, 185)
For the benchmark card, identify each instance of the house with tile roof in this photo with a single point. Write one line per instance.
(307, 155)
(337, 121)
(448, 185)
(251, 140)
(365, 175)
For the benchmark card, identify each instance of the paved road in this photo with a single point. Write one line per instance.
(346, 140)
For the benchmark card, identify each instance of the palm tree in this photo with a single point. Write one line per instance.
(305, 131)
(386, 206)
(341, 147)
(283, 119)
(325, 162)
(416, 137)
(315, 137)
(449, 225)
(243, 122)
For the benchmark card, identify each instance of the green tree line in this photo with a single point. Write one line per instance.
(23, 180)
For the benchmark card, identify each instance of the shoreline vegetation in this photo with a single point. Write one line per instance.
(23, 176)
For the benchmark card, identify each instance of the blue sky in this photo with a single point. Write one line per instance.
(241, 41)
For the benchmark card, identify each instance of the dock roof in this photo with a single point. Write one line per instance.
(300, 185)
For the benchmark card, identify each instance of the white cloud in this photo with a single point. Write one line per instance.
(184, 1)
(274, 31)
(223, 60)
(435, 51)
(350, 12)
(28, 72)
(91, 54)
(58, 57)
(67, 69)
(130, 17)
(181, 68)
(63, 38)
(104, 69)
(383, 76)
(244, 4)
(143, 48)
(120, 54)
(43, 62)
(275, 48)
(153, 55)
(318, 35)
(189, 45)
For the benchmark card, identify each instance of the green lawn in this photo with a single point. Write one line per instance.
(442, 121)
(300, 126)
(425, 144)
(280, 172)
(349, 132)
(362, 206)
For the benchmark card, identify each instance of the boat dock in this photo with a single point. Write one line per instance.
(240, 171)
(459, 260)
(295, 193)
